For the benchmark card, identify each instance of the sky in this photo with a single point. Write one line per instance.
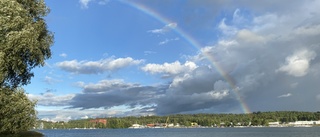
(115, 58)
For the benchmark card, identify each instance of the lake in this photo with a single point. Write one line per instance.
(187, 132)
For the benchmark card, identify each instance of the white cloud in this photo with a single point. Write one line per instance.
(179, 79)
(170, 68)
(164, 29)
(63, 114)
(122, 62)
(60, 118)
(218, 95)
(104, 86)
(298, 64)
(167, 41)
(50, 99)
(226, 29)
(237, 18)
(84, 3)
(248, 36)
(96, 67)
(63, 55)
(285, 95)
(85, 117)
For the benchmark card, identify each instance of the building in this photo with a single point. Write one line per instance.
(274, 124)
(295, 124)
(304, 123)
(96, 121)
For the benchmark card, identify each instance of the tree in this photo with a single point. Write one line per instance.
(17, 112)
(24, 44)
(24, 40)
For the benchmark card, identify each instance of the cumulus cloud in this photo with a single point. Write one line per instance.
(170, 68)
(50, 99)
(298, 64)
(164, 29)
(104, 86)
(96, 67)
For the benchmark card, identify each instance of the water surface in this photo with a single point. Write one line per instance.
(187, 132)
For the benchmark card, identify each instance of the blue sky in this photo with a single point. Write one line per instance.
(160, 57)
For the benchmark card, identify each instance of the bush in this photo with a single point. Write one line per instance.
(17, 112)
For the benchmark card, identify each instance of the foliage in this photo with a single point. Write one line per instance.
(24, 134)
(24, 40)
(228, 120)
(17, 112)
(24, 44)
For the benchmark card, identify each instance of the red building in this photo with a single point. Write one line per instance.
(96, 121)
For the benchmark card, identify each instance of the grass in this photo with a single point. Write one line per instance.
(24, 134)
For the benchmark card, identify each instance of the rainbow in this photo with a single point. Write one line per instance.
(194, 43)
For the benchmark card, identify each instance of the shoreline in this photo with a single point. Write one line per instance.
(188, 127)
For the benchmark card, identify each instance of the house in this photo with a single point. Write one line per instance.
(96, 121)
(135, 126)
(194, 124)
(273, 124)
(304, 123)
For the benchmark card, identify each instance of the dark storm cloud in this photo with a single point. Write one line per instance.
(105, 100)
(198, 90)
(172, 104)
(111, 93)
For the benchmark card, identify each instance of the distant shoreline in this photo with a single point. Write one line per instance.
(201, 127)
(255, 119)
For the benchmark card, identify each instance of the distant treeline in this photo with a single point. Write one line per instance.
(228, 120)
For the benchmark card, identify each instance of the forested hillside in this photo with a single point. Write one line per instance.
(228, 120)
